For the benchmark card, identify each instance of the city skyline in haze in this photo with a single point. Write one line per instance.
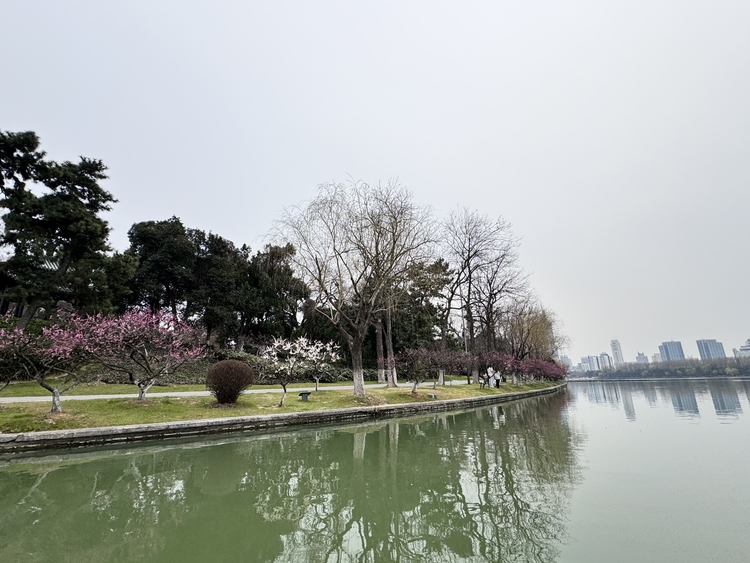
(614, 138)
(717, 349)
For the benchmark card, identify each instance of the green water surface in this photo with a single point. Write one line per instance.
(602, 472)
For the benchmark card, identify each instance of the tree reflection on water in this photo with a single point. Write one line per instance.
(485, 485)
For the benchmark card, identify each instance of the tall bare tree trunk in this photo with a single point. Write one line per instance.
(379, 347)
(470, 328)
(391, 360)
(355, 347)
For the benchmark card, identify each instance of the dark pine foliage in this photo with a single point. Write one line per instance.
(227, 380)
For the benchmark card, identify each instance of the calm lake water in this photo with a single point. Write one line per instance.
(604, 472)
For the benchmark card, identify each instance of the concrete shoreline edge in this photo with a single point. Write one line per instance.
(652, 379)
(18, 442)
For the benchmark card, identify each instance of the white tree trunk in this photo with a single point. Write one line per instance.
(359, 382)
(142, 391)
(393, 379)
(379, 348)
(56, 404)
(358, 375)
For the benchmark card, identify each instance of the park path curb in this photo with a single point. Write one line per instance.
(11, 443)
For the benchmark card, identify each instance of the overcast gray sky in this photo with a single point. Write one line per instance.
(614, 136)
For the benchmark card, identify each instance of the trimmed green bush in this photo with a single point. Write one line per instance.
(227, 380)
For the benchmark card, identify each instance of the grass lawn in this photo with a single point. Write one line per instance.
(33, 389)
(26, 417)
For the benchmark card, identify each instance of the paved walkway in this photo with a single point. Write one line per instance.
(154, 395)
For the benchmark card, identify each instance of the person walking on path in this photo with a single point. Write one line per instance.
(488, 377)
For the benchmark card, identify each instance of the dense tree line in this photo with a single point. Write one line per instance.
(360, 265)
(717, 367)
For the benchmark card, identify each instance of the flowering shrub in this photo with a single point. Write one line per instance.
(529, 368)
(541, 369)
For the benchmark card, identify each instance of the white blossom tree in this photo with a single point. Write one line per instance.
(286, 357)
(320, 355)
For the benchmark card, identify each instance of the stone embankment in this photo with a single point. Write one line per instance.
(108, 435)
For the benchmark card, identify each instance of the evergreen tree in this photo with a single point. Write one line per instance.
(270, 296)
(165, 258)
(217, 285)
(53, 232)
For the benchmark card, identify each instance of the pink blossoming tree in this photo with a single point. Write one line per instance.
(144, 346)
(12, 342)
(418, 364)
(541, 369)
(57, 351)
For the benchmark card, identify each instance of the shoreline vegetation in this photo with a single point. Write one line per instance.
(656, 378)
(683, 369)
(98, 413)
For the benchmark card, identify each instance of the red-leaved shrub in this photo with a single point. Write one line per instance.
(227, 380)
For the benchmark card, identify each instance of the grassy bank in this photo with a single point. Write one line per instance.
(33, 389)
(27, 417)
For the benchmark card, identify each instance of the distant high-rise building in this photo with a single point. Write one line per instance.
(656, 358)
(590, 363)
(671, 351)
(710, 349)
(567, 361)
(605, 361)
(641, 358)
(617, 353)
(743, 351)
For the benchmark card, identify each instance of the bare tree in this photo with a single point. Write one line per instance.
(498, 286)
(353, 242)
(390, 303)
(482, 254)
